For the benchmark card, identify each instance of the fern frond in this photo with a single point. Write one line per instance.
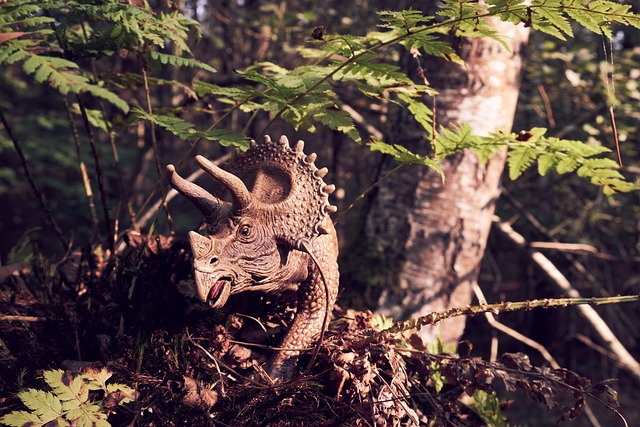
(59, 73)
(403, 155)
(68, 402)
(520, 158)
(185, 130)
(167, 59)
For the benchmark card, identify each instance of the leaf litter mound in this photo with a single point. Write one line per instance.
(132, 314)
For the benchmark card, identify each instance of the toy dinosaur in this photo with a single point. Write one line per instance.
(274, 234)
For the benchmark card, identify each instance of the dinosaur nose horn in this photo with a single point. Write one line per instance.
(242, 197)
(200, 245)
(208, 204)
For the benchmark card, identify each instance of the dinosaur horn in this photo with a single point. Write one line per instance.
(242, 198)
(208, 204)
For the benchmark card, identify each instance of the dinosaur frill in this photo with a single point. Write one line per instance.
(271, 180)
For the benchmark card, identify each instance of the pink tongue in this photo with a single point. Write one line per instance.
(215, 289)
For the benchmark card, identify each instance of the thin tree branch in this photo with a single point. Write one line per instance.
(99, 173)
(515, 334)
(36, 191)
(95, 222)
(154, 145)
(28, 319)
(611, 342)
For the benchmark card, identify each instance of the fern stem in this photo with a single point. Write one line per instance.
(156, 154)
(439, 316)
(95, 222)
(34, 188)
(99, 173)
(126, 196)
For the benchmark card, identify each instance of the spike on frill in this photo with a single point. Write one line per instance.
(321, 173)
(299, 146)
(330, 209)
(328, 189)
(310, 158)
(284, 141)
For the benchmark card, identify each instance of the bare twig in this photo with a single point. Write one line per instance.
(611, 342)
(36, 191)
(83, 171)
(29, 319)
(472, 310)
(154, 144)
(99, 173)
(564, 247)
(515, 334)
(547, 106)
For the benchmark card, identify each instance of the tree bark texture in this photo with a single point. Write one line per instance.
(435, 234)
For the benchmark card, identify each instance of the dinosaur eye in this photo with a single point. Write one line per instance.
(245, 231)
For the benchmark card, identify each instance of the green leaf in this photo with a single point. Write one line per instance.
(338, 120)
(546, 162)
(519, 159)
(66, 387)
(167, 59)
(185, 130)
(46, 406)
(421, 113)
(21, 419)
(403, 155)
(566, 165)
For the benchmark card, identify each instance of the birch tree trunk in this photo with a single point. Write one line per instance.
(434, 234)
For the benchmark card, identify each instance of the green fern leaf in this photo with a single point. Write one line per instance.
(22, 419)
(338, 120)
(519, 159)
(185, 130)
(613, 186)
(546, 162)
(46, 406)
(548, 16)
(404, 19)
(460, 137)
(167, 59)
(513, 11)
(90, 415)
(421, 113)
(72, 391)
(586, 20)
(403, 155)
(566, 165)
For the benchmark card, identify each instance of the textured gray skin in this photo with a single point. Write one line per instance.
(262, 239)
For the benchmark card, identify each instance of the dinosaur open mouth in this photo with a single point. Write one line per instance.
(219, 292)
(217, 288)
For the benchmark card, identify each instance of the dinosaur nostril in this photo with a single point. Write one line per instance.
(213, 260)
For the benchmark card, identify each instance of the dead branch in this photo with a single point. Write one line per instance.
(611, 342)
(515, 334)
(8, 318)
(99, 172)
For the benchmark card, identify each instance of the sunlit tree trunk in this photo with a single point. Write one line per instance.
(433, 233)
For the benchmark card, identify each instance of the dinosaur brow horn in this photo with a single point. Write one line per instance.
(242, 197)
(208, 204)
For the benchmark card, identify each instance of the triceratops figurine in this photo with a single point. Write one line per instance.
(273, 235)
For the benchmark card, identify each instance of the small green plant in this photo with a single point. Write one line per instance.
(84, 400)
